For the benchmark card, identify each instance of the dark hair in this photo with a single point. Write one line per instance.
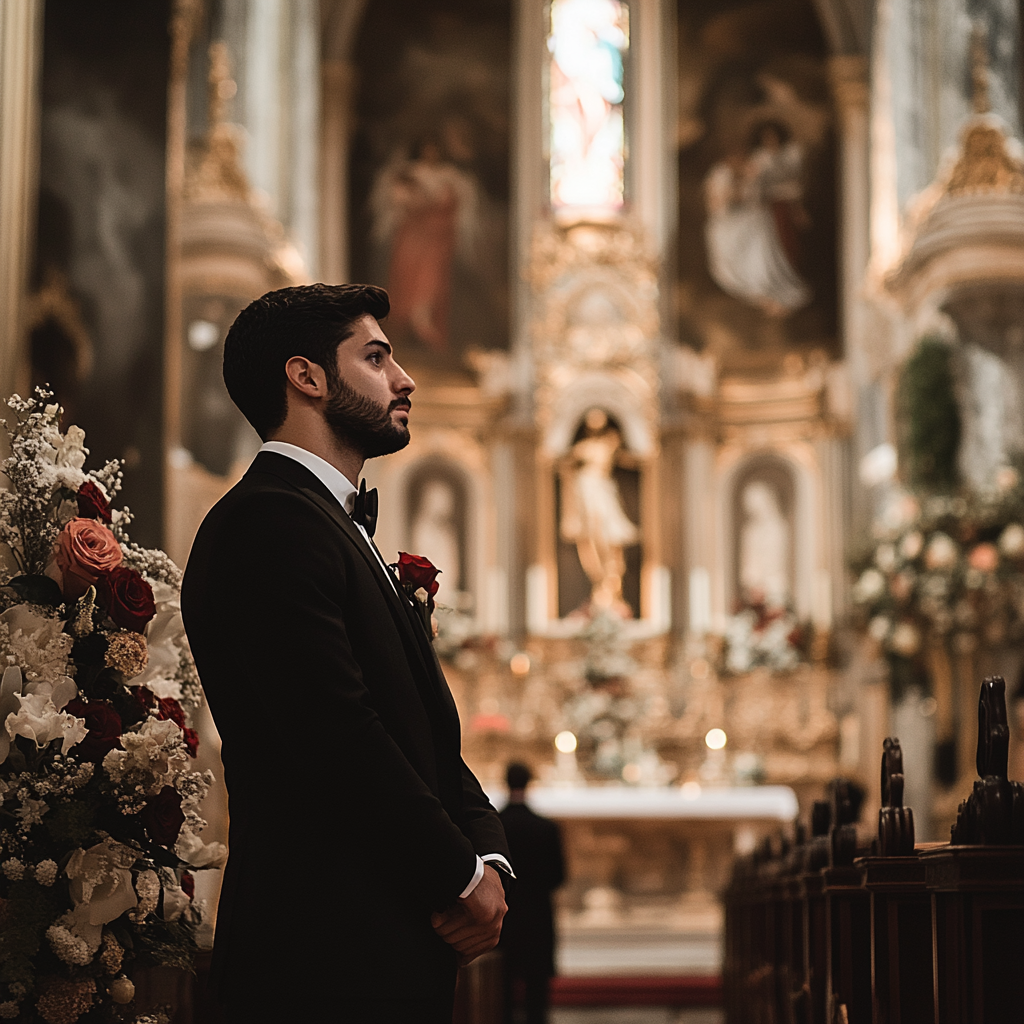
(309, 320)
(517, 775)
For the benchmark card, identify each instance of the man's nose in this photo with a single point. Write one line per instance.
(403, 384)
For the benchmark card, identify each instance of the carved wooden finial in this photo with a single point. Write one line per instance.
(895, 822)
(994, 812)
(979, 69)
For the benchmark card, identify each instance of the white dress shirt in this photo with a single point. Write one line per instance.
(345, 492)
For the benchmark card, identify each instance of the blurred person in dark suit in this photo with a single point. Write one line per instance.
(528, 935)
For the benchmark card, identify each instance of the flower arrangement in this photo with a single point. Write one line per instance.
(99, 802)
(760, 635)
(946, 567)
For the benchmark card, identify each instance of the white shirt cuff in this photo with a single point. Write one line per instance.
(479, 873)
(475, 880)
(488, 857)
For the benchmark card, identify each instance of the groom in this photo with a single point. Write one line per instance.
(356, 880)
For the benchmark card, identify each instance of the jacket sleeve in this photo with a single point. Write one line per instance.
(480, 820)
(264, 607)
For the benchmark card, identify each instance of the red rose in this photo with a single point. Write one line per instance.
(85, 551)
(163, 816)
(91, 502)
(128, 598)
(415, 571)
(188, 885)
(169, 709)
(144, 696)
(104, 725)
(191, 738)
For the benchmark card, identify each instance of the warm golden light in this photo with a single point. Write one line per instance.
(715, 739)
(520, 664)
(565, 742)
(690, 790)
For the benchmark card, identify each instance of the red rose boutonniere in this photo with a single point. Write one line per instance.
(417, 576)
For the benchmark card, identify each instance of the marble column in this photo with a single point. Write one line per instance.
(20, 58)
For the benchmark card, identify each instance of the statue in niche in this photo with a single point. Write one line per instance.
(754, 216)
(764, 547)
(425, 213)
(592, 514)
(435, 532)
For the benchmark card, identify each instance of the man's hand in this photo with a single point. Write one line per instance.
(473, 925)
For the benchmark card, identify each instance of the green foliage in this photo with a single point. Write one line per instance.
(931, 418)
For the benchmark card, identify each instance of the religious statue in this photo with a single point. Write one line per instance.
(592, 513)
(754, 215)
(435, 532)
(425, 211)
(764, 547)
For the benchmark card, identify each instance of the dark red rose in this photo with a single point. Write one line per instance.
(188, 885)
(127, 597)
(191, 741)
(92, 504)
(144, 696)
(169, 709)
(163, 816)
(104, 725)
(415, 571)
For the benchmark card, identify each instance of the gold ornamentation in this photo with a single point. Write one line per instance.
(54, 302)
(985, 164)
(215, 170)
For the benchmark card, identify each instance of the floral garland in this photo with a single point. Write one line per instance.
(945, 568)
(762, 636)
(99, 803)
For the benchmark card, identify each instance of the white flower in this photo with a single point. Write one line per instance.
(165, 638)
(46, 872)
(157, 747)
(942, 552)
(869, 587)
(68, 946)
(9, 1009)
(38, 642)
(147, 885)
(114, 764)
(194, 852)
(13, 869)
(72, 451)
(911, 545)
(1011, 541)
(175, 902)
(31, 811)
(905, 640)
(101, 886)
(38, 720)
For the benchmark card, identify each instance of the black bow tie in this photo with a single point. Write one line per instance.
(364, 511)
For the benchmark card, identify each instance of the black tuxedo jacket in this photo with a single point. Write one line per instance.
(353, 815)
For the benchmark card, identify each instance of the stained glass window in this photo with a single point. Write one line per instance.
(588, 43)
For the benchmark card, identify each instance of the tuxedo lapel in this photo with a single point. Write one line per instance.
(405, 616)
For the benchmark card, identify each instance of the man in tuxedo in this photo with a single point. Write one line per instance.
(528, 935)
(362, 849)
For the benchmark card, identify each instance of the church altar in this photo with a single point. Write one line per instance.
(644, 868)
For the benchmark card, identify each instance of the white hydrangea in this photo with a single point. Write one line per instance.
(68, 946)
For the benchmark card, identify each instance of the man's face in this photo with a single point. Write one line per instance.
(368, 404)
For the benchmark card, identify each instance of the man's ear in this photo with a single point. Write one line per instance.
(307, 377)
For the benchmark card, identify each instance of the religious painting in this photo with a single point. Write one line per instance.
(757, 183)
(429, 200)
(436, 527)
(597, 505)
(763, 535)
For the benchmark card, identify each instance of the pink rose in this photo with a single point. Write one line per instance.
(86, 550)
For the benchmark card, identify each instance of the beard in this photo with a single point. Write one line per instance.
(363, 424)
